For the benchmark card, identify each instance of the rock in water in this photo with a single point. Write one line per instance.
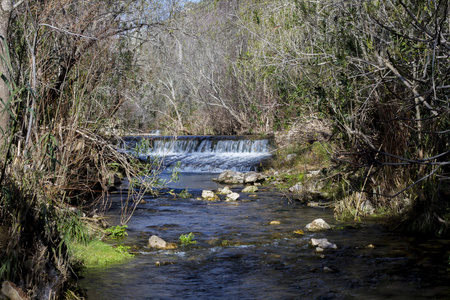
(250, 189)
(209, 195)
(317, 225)
(232, 197)
(252, 177)
(323, 243)
(156, 242)
(230, 176)
(225, 191)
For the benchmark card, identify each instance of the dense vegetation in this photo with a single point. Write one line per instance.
(377, 70)
(72, 72)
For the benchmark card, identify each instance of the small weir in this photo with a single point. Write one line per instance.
(199, 154)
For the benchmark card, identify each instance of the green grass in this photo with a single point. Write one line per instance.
(98, 253)
(117, 231)
(187, 239)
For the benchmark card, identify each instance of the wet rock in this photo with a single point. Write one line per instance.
(252, 177)
(250, 189)
(156, 242)
(296, 188)
(225, 191)
(318, 249)
(231, 177)
(13, 292)
(209, 195)
(317, 225)
(323, 243)
(232, 197)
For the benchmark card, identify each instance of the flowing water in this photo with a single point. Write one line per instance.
(199, 154)
(240, 255)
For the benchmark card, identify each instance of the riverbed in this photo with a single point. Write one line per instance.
(239, 254)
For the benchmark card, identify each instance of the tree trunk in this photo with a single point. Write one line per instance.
(5, 12)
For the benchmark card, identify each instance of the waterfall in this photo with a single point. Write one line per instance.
(203, 153)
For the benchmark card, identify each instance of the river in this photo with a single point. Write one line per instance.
(239, 254)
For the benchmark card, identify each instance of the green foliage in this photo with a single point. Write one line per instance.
(175, 174)
(187, 239)
(184, 194)
(142, 148)
(98, 253)
(122, 248)
(118, 231)
(73, 228)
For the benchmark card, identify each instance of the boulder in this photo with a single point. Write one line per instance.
(252, 177)
(209, 195)
(13, 292)
(250, 189)
(323, 244)
(317, 225)
(225, 191)
(156, 242)
(232, 197)
(231, 177)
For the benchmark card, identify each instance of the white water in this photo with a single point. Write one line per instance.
(211, 154)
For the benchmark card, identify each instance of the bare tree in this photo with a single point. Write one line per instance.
(6, 8)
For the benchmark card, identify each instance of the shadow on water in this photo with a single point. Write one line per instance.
(240, 255)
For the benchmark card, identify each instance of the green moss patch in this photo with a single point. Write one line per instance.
(98, 253)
